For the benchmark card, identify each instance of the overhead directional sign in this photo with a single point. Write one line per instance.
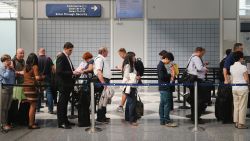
(73, 10)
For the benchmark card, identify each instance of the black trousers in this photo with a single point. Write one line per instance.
(130, 113)
(62, 105)
(200, 100)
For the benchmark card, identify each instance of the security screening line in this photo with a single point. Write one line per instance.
(94, 129)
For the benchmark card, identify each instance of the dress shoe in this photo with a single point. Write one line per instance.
(70, 123)
(64, 126)
(84, 125)
(105, 121)
(134, 123)
(200, 121)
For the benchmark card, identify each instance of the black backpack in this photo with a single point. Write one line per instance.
(139, 67)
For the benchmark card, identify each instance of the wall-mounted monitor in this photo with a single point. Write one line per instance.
(129, 9)
(244, 27)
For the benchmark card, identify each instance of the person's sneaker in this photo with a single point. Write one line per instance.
(6, 127)
(171, 124)
(162, 123)
(120, 109)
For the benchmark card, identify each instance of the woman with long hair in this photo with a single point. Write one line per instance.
(129, 76)
(31, 76)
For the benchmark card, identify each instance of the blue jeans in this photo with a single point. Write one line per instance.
(49, 96)
(165, 106)
(130, 114)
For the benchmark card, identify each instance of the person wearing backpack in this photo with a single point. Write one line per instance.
(130, 76)
(173, 69)
(165, 92)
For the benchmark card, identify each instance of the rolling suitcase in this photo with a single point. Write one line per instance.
(83, 107)
(224, 104)
(23, 113)
(13, 112)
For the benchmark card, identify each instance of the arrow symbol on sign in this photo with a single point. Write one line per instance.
(94, 8)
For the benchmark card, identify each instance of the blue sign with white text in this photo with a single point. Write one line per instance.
(73, 10)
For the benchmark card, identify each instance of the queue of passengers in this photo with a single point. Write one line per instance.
(40, 69)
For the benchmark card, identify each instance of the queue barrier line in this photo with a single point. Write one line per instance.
(94, 129)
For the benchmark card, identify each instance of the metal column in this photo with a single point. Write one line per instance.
(221, 29)
(35, 24)
(112, 33)
(237, 22)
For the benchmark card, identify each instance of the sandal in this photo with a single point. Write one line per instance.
(242, 126)
(33, 127)
(236, 125)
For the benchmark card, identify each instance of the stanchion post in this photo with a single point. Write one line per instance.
(73, 104)
(196, 128)
(213, 95)
(92, 129)
(0, 101)
(178, 91)
(195, 107)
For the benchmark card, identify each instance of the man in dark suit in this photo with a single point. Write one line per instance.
(65, 73)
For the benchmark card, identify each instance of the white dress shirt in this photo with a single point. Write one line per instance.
(99, 61)
(196, 67)
(71, 65)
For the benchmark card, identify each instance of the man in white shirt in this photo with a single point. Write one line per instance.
(102, 71)
(198, 69)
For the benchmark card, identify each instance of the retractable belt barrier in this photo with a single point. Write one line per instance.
(196, 128)
(94, 129)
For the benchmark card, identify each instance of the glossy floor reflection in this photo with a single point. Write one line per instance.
(149, 128)
(118, 130)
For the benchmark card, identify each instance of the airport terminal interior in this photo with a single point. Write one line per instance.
(160, 36)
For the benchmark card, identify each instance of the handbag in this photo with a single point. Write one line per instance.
(139, 108)
(186, 77)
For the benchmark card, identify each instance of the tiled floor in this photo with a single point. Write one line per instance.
(149, 128)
